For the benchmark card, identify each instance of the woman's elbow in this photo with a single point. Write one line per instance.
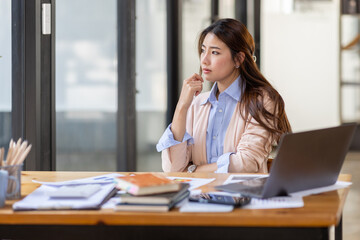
(241, 164)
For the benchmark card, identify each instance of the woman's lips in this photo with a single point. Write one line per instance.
(206, 70)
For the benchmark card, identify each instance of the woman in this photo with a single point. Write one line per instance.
(231, 128)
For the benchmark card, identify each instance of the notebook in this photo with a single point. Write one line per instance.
(305, 160)
(160, 198)
(154, 206)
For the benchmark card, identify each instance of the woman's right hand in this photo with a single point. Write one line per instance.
(192, 86)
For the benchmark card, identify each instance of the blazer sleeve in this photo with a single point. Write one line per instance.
(253, 148)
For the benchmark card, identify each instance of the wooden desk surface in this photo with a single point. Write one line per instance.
(320, 210)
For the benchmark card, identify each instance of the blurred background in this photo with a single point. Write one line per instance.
(308, 49)
(301, 46)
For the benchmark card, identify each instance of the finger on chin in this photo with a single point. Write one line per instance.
(198, 77)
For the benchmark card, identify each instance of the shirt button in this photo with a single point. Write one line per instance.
(220, 110)
(214, 137)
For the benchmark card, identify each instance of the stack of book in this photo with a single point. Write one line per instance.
(150, 193)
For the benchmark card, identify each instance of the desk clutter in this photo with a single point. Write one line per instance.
(16, 154)
(102, 192)
(86, 193)
(149, 193)
(160, 202)
(10, 169)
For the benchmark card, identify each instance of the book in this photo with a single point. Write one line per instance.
(145, 184)
(151, 207)
(160, 198)
(142, 208)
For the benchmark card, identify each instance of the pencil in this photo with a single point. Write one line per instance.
(8, 157)
(23, 155)
(2, 152)
(19, 152)
(18, 143)
(15, 151)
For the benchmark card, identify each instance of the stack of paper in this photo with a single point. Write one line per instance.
(44, 198)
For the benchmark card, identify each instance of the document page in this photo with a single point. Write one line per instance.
(194, 182)
(269, 203)
(107, 178)
(337, 185)
(40, 199)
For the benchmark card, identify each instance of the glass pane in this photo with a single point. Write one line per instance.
(350, 62)
(350, 68)
(5, 73)
(150, 81)
(227, 9)
(195, 18)
(86, 85)
(350, 103)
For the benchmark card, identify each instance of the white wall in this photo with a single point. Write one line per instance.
(299, 55)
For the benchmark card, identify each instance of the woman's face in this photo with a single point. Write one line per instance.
(216, 61)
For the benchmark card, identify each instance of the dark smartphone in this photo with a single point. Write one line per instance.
(220, 199)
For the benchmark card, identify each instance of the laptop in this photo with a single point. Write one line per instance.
(305, 160)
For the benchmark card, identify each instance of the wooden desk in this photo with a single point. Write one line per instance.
(310, 222)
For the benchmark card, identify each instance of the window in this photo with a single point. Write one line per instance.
(86, 85)
(196, 17)
(151, 83)
(5, 73)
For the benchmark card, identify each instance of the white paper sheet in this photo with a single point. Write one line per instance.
(111, 204)
(243, 177)
(39, 199)
(107, 178)
(275, 202)
(204, 207)
(194, 182)
(337, 185)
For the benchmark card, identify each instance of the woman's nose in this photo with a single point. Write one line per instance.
(205, 58)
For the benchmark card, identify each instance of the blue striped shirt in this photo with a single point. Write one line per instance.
(220, 115)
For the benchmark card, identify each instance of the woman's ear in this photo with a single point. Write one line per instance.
(240, 57)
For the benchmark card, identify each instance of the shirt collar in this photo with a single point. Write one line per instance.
(233, 91)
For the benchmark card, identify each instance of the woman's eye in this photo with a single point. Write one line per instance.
(202, 50)
(215, 52)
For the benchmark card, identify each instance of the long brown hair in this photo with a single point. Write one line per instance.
(254, 85)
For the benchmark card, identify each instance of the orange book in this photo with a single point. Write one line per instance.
(145, 184)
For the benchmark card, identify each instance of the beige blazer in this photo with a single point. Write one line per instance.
(249, 142)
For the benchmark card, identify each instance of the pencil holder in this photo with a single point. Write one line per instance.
(14, 181)
(3, 186)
